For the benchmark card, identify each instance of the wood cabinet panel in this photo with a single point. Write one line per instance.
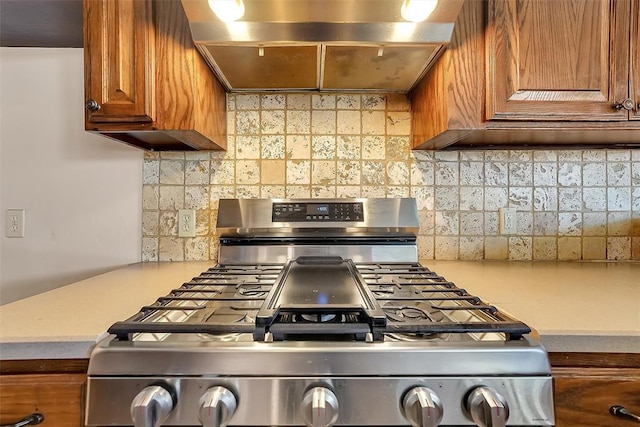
(634, 72)
(119, 60)
(59, 397)
(583, 396)
(551, 60)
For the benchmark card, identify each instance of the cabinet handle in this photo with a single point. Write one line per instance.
(92, 105)
(622, 412)
(29, 420)
(627, 104)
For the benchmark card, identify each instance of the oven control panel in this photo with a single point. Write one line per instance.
(318, 212)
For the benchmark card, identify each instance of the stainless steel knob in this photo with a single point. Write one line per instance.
(92, 105)
(320, 407)
(487, 408)
(151, 407)
(627, 104)
(422, 407)
(217, 406)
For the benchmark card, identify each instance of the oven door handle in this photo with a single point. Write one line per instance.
(29, 420)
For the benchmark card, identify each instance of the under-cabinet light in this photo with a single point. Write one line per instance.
(227, 10)
(417, 10)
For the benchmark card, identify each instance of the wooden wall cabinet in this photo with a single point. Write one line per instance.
(534, 73)
(145, 83)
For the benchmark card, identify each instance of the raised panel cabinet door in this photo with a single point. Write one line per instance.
(119, 66)
(59, 397)
(557, 60)
(634, 72)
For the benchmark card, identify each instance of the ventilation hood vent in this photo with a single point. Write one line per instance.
(321, 45)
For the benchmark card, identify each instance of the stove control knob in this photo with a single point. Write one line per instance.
(217, 406)
(320, 407)
(487, 408)
(152, 406)
(422, 407)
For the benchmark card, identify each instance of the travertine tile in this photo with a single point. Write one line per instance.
(618, 248)
(150, 223)
(323, 147)
(545, 248)
(171, 197)
(520, 248)
(272, 147)
(298, 172)
(496, 248)
(594, 248)
(471, 248)
(197, 172)
(348, 122)
(298, 147)
(571, 204)
(323, 122)
(594, 224)
(172, 172)
(247, 172)
(298, 121)
(272, 121)
(447, 248)
(196, 249)
(247, 147)
(151, 171)
(273, 172)
(170, 249)
(149, 249)
(397, 173)
(248, 122)
(569, 248)
(196, 197)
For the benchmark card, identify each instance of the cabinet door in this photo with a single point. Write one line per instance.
(583, 396)
(557, 60)
(634, 72)
(59, 397)
(119, 66)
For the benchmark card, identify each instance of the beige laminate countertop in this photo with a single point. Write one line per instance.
(585, 307)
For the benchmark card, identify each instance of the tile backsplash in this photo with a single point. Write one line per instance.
(571, 205)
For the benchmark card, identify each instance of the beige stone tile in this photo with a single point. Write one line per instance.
(447, 248)
(323, 122)
(545, 248)
(171, 197)
(196, 197)
(298, 147)
(569, 248)
(520, 248)
(373, 172)
(196, 249)
(170, 249)
(298, 172)
(348, 191)
(150, 196)
(275, 101)
(323, 147)
(272, 121)
(247, 147)
(323, 101)
(247, 122)
(373, 191)
(374, 102)
(397, 191)
(247, 191)
(348, 172)
(594, 248)
(272, 191)
(149, 249)
(171, 172)
(273, 147)
(373, 122)
(471, 248)
(618, 248)
(496, 247)
(348, 102)
(426, 247)
(398, 148)
(323, 191)
(298, 191)
(197, 172)
(247, 101)
(348, 122)
(247, 172)
(398, 123)
(298, 101)
(298, 122)
(397, 173)
(273, 172)
(149, 223)
(168, 223)
(323, 172)
(348, 147)
(151, 171)
(398, 102)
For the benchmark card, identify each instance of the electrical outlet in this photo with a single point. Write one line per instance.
(508, 221)
(15, 223)
(187, 223)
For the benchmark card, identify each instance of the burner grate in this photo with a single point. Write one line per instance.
(392, 299)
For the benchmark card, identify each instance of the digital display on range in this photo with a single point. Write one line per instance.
(317, 212)
(317, 209)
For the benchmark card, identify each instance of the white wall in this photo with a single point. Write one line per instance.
(82, 193)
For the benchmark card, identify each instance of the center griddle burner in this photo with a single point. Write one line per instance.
(326, 296)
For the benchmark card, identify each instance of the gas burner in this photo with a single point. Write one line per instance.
(315, 318)
(231, 314)
(398, 312)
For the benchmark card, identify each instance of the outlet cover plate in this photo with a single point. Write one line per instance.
(186, 223)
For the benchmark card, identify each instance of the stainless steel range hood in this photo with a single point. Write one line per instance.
(321, 45)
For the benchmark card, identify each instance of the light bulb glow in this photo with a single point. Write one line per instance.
(417, 10)
(227, 10)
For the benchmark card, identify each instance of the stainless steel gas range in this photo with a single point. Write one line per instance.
(318, 313)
